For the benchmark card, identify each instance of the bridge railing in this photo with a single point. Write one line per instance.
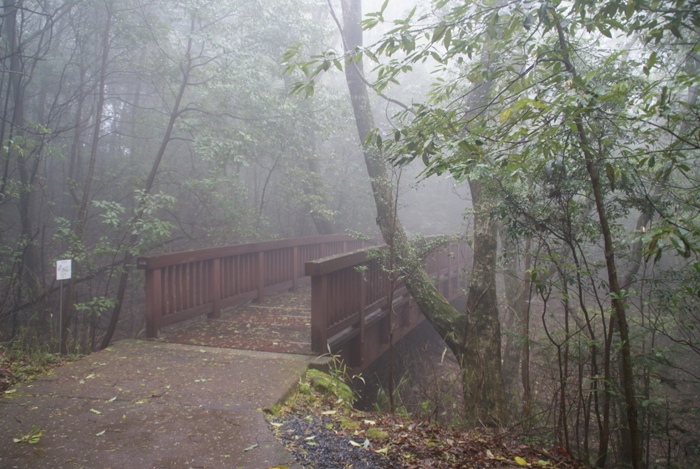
(349, 296)
(183, 285)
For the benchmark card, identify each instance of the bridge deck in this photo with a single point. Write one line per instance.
(282, 323)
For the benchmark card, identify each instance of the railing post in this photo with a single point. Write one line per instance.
(215, 288)
(363, 305)
(454, 273)
(261, 276)
(295, 268)
(319, 314)
(154, 303)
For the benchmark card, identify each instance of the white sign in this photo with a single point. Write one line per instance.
(63, 269)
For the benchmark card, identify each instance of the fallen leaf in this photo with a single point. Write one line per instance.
(94, 411)
(101, 433)
(520, 461)
(251, 447)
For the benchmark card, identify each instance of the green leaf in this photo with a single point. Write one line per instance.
(505, 114)
(447, 40)
(32, 437)
(650, 63)
(610, 173)
(439, 32)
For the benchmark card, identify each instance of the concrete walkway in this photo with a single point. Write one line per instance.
(141, 404)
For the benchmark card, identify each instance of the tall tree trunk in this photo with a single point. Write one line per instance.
(16, 87)
(516, 353)
(448, 322)
(81, 219)
(616, 292)
(481, 362)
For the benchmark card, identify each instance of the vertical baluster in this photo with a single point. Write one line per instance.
(319, 311)
(154, 301)
(363, 303)
(215, 288)
(295, 268)
(261, 276)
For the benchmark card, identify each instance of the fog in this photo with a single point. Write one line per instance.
(134, 128)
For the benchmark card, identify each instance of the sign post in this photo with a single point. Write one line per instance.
(63, 272)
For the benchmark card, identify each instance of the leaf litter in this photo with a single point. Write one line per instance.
(314, 428)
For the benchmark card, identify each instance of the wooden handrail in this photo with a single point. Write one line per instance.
(183, 285)
(349, 292)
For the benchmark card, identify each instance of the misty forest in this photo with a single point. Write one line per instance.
(558, 138)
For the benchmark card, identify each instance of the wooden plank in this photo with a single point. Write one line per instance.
(295, 268)
(154, 305)
(261, 277)
(319, 317)
(161, 260)
(215, 289)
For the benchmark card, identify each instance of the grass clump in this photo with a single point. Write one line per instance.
(330, 385)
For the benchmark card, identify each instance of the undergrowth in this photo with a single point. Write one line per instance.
(18, 365)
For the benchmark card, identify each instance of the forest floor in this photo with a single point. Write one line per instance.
(322, 430)
(318, 428)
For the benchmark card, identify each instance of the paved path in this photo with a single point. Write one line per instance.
(141, 404)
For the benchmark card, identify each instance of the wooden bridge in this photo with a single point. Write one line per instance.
(347, 311)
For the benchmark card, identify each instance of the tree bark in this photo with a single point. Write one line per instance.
(16, 87)
(481, 362)
(452, 325)
(448, 322)
(516, 355)
(81, 220)
(616, 292)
